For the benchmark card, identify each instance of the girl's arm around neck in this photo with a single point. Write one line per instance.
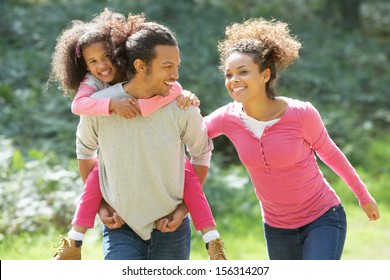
(83, 104)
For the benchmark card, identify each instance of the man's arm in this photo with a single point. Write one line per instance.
(85, 167)
(198, 144)
(202, 172)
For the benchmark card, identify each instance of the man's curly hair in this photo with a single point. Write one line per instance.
(269, 43)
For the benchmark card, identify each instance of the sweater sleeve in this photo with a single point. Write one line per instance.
(150, 105)
(84, 104)
(317, 136)
(194, 135)
(86, 138)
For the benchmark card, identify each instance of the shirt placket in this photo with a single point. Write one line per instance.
(265, 133)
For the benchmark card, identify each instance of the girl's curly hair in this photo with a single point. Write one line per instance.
(269, 43)
(119, 29)
(67, 65)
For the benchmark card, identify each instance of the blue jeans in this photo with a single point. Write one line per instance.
(322, 239)
(125, 244)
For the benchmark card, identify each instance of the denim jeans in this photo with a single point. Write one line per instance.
(322, 239)
(125, 244)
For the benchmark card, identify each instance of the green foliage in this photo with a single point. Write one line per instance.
(37, 192)
(229, 190)
(344, 76)
(342, 71)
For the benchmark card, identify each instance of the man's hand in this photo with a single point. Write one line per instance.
(109, 217)
(171, 222)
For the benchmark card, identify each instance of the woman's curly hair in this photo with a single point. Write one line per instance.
(67, 65)
(269, 43)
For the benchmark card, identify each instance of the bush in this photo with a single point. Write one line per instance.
(230, 192)
(342, 73)
(36, 193)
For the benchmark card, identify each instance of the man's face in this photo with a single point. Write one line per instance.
(163, 71)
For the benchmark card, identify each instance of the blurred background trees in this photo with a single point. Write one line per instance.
(343, 70)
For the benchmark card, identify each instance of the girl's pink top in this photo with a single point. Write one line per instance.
(282, 163)
(83, 104)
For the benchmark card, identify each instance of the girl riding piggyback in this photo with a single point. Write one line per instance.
(83, 63)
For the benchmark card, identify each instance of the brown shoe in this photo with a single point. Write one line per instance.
(216, 249)
(69, 249)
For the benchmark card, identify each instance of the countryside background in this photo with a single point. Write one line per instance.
(343, 70)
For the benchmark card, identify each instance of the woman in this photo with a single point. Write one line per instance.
(277, 139)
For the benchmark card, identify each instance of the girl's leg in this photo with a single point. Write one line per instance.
(200, 211)
(195, 199)
(89, 202)
(70, 248)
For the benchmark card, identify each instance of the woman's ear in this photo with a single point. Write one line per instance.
(267, 75)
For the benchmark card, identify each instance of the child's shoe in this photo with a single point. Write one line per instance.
(216, 249)
(70, 249)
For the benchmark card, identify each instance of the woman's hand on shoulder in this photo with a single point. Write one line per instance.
(186, 98)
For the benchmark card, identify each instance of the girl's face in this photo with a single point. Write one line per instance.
(243, 80)
(98, 62)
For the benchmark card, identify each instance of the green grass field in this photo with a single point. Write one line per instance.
(243, 239)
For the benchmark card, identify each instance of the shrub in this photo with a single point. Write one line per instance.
(36, 192)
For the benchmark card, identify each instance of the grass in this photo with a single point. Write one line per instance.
(243, 238)
(367, 240)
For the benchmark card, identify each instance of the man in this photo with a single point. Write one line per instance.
(141, 160)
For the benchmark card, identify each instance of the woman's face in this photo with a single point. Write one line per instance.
(243, 80)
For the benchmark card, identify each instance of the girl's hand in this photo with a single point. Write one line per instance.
(186, 98)
(125, 107)
(371, 210)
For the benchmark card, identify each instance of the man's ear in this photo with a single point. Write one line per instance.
(140, 66)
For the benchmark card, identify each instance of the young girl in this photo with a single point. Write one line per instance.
(82, 61)
(278, 139)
